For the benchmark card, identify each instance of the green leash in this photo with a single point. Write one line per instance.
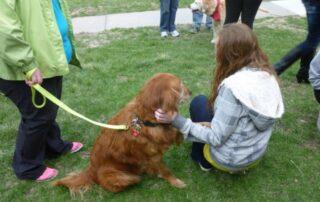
(47, 95)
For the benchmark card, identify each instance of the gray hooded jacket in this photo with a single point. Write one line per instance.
(314, 72)
(245, 111)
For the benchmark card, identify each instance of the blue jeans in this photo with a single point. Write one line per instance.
(200, 111)
(197, 20)
(305, 50)
(168, 10)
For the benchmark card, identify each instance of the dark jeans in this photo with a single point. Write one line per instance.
(200, 112)
(38, 134)
(168, 10)
(247, 8)
(317, 95)
(305, 50)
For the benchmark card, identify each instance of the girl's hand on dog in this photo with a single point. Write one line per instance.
(164, 117)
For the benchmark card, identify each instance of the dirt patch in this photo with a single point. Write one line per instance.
(103, 38)
(312, 145)
(280, 23)
(86, 11)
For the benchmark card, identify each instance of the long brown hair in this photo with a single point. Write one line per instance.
(237, 47)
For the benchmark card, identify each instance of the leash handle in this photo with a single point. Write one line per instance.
(33, 91)
(33, 94)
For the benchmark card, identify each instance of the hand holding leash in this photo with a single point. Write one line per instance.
(34, 77)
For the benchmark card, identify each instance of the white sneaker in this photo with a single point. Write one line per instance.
(175, 33)
(213, 41)
(204, 168)
(164, 34)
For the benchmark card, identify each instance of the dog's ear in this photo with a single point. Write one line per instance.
(159, 92)
(169, 99)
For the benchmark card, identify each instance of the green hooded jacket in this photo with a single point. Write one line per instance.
(30, 38)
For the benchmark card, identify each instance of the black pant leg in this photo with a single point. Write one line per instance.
(29, 152)
(34, 127)
(317, 95)
(249, 11)
(233, 10)
(55, 146)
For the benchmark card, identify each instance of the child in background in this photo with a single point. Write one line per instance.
(245, 101)
(197, 21)
(213, 9)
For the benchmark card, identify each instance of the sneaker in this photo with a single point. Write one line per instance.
(175, 33)
(164, 34)
(76, 146)
(48, 174)
(204, 167)
(213, 41)
(194, 30)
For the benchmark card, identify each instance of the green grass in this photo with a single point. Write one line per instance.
(118, 64)
(102, 7)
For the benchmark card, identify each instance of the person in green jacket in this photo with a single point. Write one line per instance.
(36, 39)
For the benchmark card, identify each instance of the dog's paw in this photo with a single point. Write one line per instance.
(178, 183)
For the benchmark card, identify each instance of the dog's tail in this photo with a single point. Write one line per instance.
(76, 183)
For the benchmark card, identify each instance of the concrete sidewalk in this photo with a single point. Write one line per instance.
(94, 24)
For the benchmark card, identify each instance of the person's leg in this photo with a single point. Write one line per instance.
(34, 127)
(317, 96)
(173, 11)
(164, 15)
(249, 11)
(312, 41)
(292, 56)
(200, 112)
(30, 142)
(303, 73)
(306, 48)
(233, 10)
(55, 145)
(284, 63)
(208, 22)
(197, 20)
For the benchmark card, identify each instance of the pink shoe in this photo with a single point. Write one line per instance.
(48, 174)
(76, 146)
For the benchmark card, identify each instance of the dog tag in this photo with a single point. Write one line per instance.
(135, 127)
(134, 133)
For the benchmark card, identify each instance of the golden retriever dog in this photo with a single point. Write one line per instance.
(214, 8)
(118, 158)
(209, 7)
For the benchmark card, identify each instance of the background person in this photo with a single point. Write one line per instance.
(197, 17)
(306, 50)
(246, 8)
(35, 42)
(168, 10)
